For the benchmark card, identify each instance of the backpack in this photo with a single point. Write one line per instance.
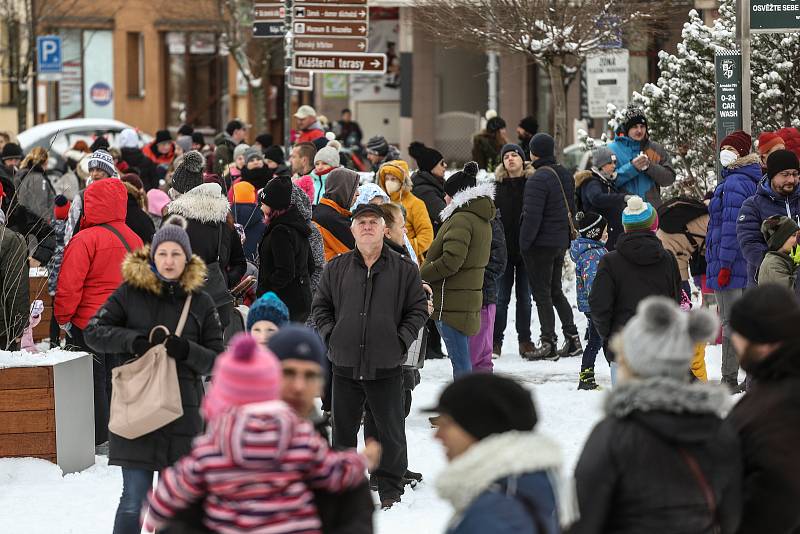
(675, 214)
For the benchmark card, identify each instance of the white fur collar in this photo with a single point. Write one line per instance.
(465, 196)
(203, 203)
(668, 395)
(493, 458)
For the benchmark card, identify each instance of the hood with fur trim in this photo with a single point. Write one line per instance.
(204, 203)
(470, 195)
(493, 458)
(744, 161)
(663, 394)
(500, 172)
(137, 271)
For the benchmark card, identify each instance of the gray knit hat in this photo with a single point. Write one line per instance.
(173, 229)
(329, 154)
(239, 150)
(100, 159)
(602, 155)
(189, 173)
(660, 339)
(185, 142)
(251, 154)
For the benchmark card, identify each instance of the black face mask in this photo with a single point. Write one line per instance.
(257, 177)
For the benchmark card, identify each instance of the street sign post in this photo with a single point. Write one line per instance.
(331, 12)
(774, 16)
(300, 80)
(730, 106)
(48, 56)
(331, 44)
(341, 63)
(338, 29)
(269, 20)
(607, 82)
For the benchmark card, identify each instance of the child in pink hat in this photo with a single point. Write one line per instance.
(257, 462)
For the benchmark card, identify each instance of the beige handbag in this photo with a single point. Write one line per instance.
(145, 394)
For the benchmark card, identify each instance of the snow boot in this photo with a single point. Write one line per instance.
(586, 380)
(545, 351)
(526, 347)
(497, 350)
(412, 478)
(388, 502)
(572, 347)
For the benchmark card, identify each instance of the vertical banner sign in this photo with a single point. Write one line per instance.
(728, 67)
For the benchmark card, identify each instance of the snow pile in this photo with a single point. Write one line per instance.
(32, 359)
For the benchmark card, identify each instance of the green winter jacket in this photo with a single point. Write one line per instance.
(456, 261)
(14, 306)
(777, 268)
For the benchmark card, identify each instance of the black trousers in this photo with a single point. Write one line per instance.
(101, 376)
(544, 266)
(386, 401)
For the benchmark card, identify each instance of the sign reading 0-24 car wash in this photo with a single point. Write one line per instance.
(728, 82)
(767, 16)
(607, 81)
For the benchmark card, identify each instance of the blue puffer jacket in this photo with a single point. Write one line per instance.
(586, 254)
(251, 218)
(647, 184)
(502, 485)
(755, 210)
(722, 247)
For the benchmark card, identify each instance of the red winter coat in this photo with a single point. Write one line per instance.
(151, 152)
(91, 269)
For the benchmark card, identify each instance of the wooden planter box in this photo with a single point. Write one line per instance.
(47, 411)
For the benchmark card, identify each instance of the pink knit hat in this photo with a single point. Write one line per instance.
(246, 373)
(306, 183)
(156, 200)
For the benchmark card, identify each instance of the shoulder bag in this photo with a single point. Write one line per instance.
(573, 233)
(145, 394)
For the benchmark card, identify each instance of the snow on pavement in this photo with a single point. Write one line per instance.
(36, 499)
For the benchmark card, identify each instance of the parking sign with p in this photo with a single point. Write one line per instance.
(49, 60)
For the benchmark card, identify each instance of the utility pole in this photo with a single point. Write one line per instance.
(288, 52)
(492, 67)
(744, 42)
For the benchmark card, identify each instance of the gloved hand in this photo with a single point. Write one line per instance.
(796, 255)
(724, 277)
(177, 348)
(141, 345)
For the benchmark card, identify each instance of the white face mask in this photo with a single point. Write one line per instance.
(726, 157)
(392, 186)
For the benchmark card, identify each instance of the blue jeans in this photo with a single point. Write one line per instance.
(592, 347)
(457, 349)
(135, 485)
(515, 272)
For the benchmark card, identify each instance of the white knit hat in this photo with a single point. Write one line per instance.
(128, 138)
(329, 154)
(660, 339)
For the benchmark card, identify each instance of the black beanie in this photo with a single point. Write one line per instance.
(162, 136)
(484, 404)
(427, 158)
(633, 116)
(529, 124)
(463, 179)
(101, 143)
(768, 313)
(495, 124)
(277, 194)
(511, 147)
(274, 153)
(189, 173)
(781, 160)
(591, 225)
(542, 145)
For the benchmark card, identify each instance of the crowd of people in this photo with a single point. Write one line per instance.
(272, 281)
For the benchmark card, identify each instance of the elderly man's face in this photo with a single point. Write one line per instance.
(306, 122)
(301, 384)
(368, 230)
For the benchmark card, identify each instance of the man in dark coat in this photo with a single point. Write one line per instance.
(14, 303)
(639, 267)
(369, 308)
(549, 204)
(777, 194)
(511, 175)
(766, 339)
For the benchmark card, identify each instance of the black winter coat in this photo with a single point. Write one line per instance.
(634, 473)
(767, 420)
(369, 317)
(139, 304)
(498, 257)
(545, 218)
(598, 195)
(143, 166)
(508, 198)
(286, 263)
(24, 221)
(430, 190)
(138, 221)
(639, 268)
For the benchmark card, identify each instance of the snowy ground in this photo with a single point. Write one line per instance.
(36, 499)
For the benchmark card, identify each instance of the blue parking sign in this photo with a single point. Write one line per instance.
(49, 60)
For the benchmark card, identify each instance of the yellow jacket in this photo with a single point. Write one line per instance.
(418, 224)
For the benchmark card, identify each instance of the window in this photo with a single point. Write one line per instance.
(135, 53)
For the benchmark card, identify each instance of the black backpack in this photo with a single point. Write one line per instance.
(675, 214)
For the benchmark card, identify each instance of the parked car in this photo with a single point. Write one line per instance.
(577, 158)
(63, 135)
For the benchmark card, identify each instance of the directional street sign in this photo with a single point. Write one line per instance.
(269, 29)
(300, 80)
(340, 29)
(332, 12)
(342, 63)
(268, 12)
(331, 44)
(268, 20)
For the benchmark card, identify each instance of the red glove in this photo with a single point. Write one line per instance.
(724, 277)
